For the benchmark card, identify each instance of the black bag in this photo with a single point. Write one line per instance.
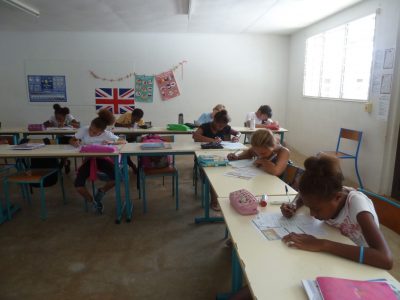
(212, 145)
(44, 163)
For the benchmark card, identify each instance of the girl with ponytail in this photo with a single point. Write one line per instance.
(353, 213)
(61, 118)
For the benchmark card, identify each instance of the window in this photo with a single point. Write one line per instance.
(338, 61)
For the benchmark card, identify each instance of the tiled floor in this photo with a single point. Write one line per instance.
(160, 255)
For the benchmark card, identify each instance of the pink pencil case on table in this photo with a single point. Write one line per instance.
(244, 202)
(36, 127)
(98, 149)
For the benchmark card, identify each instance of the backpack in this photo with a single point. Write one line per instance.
(155, 162)
(44, 163)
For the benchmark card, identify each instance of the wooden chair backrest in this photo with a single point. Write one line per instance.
(388, 211)
(350, 134)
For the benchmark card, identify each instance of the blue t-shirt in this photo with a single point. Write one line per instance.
(205, 118)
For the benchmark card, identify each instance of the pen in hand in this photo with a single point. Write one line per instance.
(287, 190)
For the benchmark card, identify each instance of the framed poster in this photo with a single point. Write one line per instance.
(47, 88)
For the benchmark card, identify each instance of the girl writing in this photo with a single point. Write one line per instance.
(216, 131)
(271, 157)
(96, 133)
(350, 211)
(61, 118)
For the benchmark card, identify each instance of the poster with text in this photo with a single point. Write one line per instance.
(144, 88)
(47, 88)
(167, 85)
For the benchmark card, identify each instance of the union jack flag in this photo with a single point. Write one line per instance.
(116, 100)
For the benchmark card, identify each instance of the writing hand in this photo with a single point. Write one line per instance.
(303, 242)
(75, 143)
(235, 139)
(232, 156)
(217, 139)
(288, 210)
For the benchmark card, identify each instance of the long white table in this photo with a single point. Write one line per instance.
(262, 184)
(60, 151)
(177, 148)
(275, 271)
(15, 132)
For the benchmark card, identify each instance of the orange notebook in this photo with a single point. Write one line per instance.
(345, 289)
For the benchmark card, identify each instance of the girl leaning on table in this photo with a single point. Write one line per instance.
(96, 133)
(269, 155)
(62, 118)
(353, 213)
(216, 131)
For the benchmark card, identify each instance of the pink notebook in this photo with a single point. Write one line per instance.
(344, 289)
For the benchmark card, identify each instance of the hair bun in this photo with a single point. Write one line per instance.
(107, 116)
(57, 106)
(322, 166)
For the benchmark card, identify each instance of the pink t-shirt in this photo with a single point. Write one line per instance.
(346, 221)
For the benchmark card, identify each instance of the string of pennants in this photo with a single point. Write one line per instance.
(121, 100)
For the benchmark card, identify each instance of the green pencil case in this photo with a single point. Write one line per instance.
(178, 127)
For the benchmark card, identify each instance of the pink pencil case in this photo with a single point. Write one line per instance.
(98, 149)
(244, 202)
(36, 127)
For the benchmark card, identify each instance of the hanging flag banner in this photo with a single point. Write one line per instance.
(116, 100)
(144, 88)
(167, 85)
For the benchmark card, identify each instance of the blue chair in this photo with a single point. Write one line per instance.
(171, 171)
(33, 177)
(352, 135)
(387, 210)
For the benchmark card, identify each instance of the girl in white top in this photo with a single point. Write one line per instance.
(350, 211)
(96, 133)
(61, 118)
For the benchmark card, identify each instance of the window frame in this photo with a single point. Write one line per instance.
(343, 67)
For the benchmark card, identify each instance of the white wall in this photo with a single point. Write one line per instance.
(314, 124)
(240, 71)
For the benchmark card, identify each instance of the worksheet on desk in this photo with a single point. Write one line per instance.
(274, 226)
(232, 145)
(241, 163)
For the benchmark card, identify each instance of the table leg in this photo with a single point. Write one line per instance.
(128, 202)
(119, 206)
(236, 277)
(207, 218)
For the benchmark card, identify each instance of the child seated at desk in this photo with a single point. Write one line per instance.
(271, 157)
(61, 118)
(353, 213)
(216, 131)
(262, 117)
(209, 117)
(131, 119)
(96, 133)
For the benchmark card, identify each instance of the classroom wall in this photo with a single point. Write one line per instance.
(241, 71)
(314, 123)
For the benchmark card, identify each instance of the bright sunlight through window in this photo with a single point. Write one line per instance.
(338, 61)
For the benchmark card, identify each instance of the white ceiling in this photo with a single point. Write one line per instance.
(200, 16)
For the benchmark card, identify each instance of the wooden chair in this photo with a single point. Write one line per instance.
(352, 135)
(388, 211)
(171, 171)
(292, 175)
(33, 176)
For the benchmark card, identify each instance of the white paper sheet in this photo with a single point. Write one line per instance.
(274, 225)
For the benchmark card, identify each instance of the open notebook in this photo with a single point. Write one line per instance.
(28, 146)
